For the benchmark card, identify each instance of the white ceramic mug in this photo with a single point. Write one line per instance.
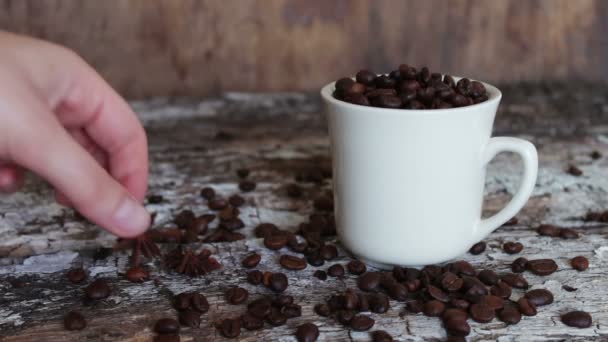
(408, 184)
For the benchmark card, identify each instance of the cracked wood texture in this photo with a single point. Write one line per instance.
(199, 143)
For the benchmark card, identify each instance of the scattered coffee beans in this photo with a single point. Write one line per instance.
(478, 248)
(254, 277)
(526, 307)
(251, 261)
(574, 170)
(519, 265)
(236, 200)
(567, 233)
(98, 289)
(236, 295)
(433, 308)
(539, 297)
(307, 332)
(512, 247)
(320, 274)
(336, 270)
(577, 319)
(137, 274)
(509, 314)
(481, 312)
(541, 267)
(247, 186)
(356, 267)
(250, 322)
(278, 282)
(74, 321)
(579, 263)
(361, 323)
(230, 327)
(548, 230)
(190, 318)
(208, 193)
(291, 262)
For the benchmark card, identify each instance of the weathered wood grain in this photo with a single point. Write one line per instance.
(201, 47)
(277, 136)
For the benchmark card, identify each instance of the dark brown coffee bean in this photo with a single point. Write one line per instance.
(512, 247)
(515, 280)
(414, 105)
(251, 261)
(76, 275)
(230, 328)
(595, 154)
(369, 281)
(579, 263)
(137, 274)
(381, 336)
(322, 310)
(236, 295)
(236, 201)
(250, 322)
(384, 82)
(278, 282)
(387, 101)
(182, 301)
(488, 277)
(345, 316)
(459, 100)
(478, 248)
(502, 290)
(366, 77)
(463, 86)
(459, 303)
(199, 302)
(567, 233)
(525, 307)
(493, 302)
(569, 288)
(424, 75)
(276, 317)
(98, 289)
(519, 265)
(217, 204)
(208, 193)
(361, 323)
(265, 229)
(336, 270)
(509, 314)
(457, 327)
(477, 89)
(451, 282)
(275, 242)
(396, 291)
(415, 306)
(433, 308)
(577, 319)
(356, 98)
(413, 285)
(242, 173)
(315, 259)
(539, 297)
(328, 252)
(342, 85)
(463, 268)
(321, 275)
(292, 262)
(184, 218)
(260, 308)
(356, 267)
(378, 303)
(481, 312)
(307, 332)
(282, 300)
(548, 230)
(291, 310)
(190, 318)
(254, 277)
(454, 313)
(372, 94)
(541, 267)
(166, 326)
(74, 321)
(356, 88)
(474, 286)
(574, 170)
(409, 86)
(247, 186)
(436, 293)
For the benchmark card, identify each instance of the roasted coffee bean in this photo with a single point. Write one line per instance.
(328, 252)
(297, 246)
(539, 297)
(577, 319)
(463, 268)
(515, 280)
(387, 101)
(478, 248)
(512, 247)
(409, 86)
(254, 277)
(433, 308)
(345, 316)
(74, 321)
(574, 170)
(184, 218)
(415, 306)
(278, 282)
(260, 308)
(526, 307)
(208, 193)
(361, 323)
(356, 267)
(137, 274)
(477, 89)
(414, 105)
(190, 318)
(459, 303)
(321, 275)
(488, 277)
(492, 301)
(250, 322)
(356, 98)
(378, 303)
(384, 82)
(509, 314)
(350, 300)
(548, 230)
(98, 289)
(182, 301)
(363, 302)
(276, 317)
(76, 275)
(230, 328)
(275, 242)
(228, 213)
(199, 302)
(436, 293)
(381, 336)
(457, 327)
(459, 100)
(236, 201)
(315, 259)
(291, 310)
(282, 300)
(242, 173)
(247, 186)
(541, 267)
(372, 94)
(569, 288)
(322, 310)
(567, 233)
(424, 75)
(473, 283)
(292, 262)
(519, 265)
(369, 281)
(251, 261)
(307, 332)
(481, 312)
(451, 282)
(356, 88)
(217, 204)
(502, 290)
(265, 229)
(343, 84)
(512, 221)
(413, 285)
(579, 263)
(366, 77)
(463, 86)
(336, 270)
(236, 295)
(166, 326)
(454, 313)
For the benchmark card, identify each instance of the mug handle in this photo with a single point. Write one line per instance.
(528, 154)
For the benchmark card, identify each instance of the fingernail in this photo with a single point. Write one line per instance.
(131, 218)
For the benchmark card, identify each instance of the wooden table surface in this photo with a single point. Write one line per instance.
(277, 136)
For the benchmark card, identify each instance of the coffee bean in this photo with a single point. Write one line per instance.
(494, 302)
(321, 275)
(595, 154)
(433, 308)
(276, 317)
(509, 314)
(519, 265)
(356, 88)
(254, 277)
(378, 303)
(488, 277)
(369, 281)
(541, 267)
(292, 262)
(502, 290)
(459, 303)
(250, 322)
(189, 318)
(356, 267)
(242, 173)
(260, 308)
(548, 230)
(451, 282)
(236, 295)
(230, 328)
(275, 242)
(336, 270)
(217, 204)
(265, 229)
(372, 94)
(414, 105)
(345, 316)
(208, 193)
(478, 248)
(387, 101)
(278, 282)
(98, 289)
(459, 100)
(322, 310)
(236, 201)
(424, 75)
(526, 307)
(512, 247)
(574, 170)
(515, 280)
(567, 233)
(166, 326)
(409, 86)
(413, 285)
(381, 336)
(457, 327)
(384, 82)
(247, 186)
(76, 275)
(74, 321)
(251, 261)
(436, 293)
(481, 312)
(137, 274)
(463, 268)
(199, 302)
(577, 319)
(328, 252)
(184, 218)
(343, 84)
(307, 332)
(539, 297)
(569, 288)
(415, 306)
(454, 313)
(579, 263)
(291, 310)
(361, 323)
(182, 301)
(366, 77)
(512, 221)
(477, 89)
(315, 259)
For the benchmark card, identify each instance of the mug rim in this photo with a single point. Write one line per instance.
(494, 96)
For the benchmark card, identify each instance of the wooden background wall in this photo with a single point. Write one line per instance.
(202, 47)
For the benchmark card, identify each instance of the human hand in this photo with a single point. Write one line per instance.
(62, 121)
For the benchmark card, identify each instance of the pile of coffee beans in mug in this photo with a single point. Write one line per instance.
(409, 88)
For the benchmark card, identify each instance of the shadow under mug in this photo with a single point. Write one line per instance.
(409, 184)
